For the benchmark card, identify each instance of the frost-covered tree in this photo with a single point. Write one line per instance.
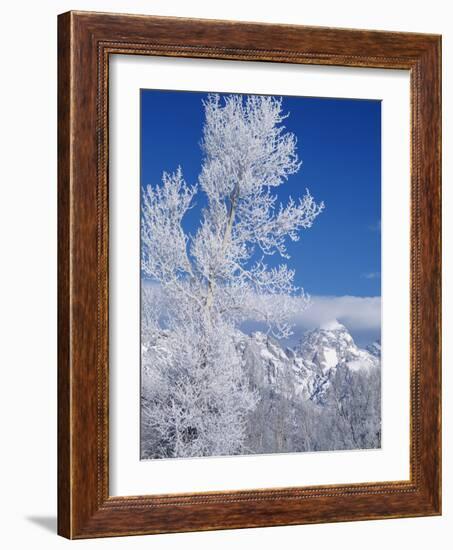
(196, 399)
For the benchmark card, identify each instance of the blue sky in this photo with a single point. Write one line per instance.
(339, 143)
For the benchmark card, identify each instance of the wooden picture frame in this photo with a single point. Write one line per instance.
(85, 42)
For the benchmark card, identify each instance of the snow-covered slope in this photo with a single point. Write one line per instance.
(331, 345)
(307, 369)
(266, 362)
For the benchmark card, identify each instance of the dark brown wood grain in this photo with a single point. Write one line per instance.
(64, 426)
(86, 40)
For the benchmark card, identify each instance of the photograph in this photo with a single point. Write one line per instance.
(260, 274)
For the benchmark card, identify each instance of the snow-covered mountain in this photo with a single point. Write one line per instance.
(307, 369)
(323, 394)
(332, 345)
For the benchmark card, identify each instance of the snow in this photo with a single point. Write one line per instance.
(266, 354)
(332, 325)
(313, 362)
(331, 358)
(358, 365)
(307, 377)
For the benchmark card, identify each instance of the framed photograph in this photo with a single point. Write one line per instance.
(249, 275)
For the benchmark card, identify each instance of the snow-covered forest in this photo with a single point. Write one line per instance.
(208, 387)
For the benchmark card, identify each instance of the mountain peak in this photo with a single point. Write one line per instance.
(330, 345)
(332, 325)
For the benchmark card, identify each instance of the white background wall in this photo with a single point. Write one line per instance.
(28, 214)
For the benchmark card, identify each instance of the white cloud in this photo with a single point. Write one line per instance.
(372, 275)
(355, 312)
(360, 315)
